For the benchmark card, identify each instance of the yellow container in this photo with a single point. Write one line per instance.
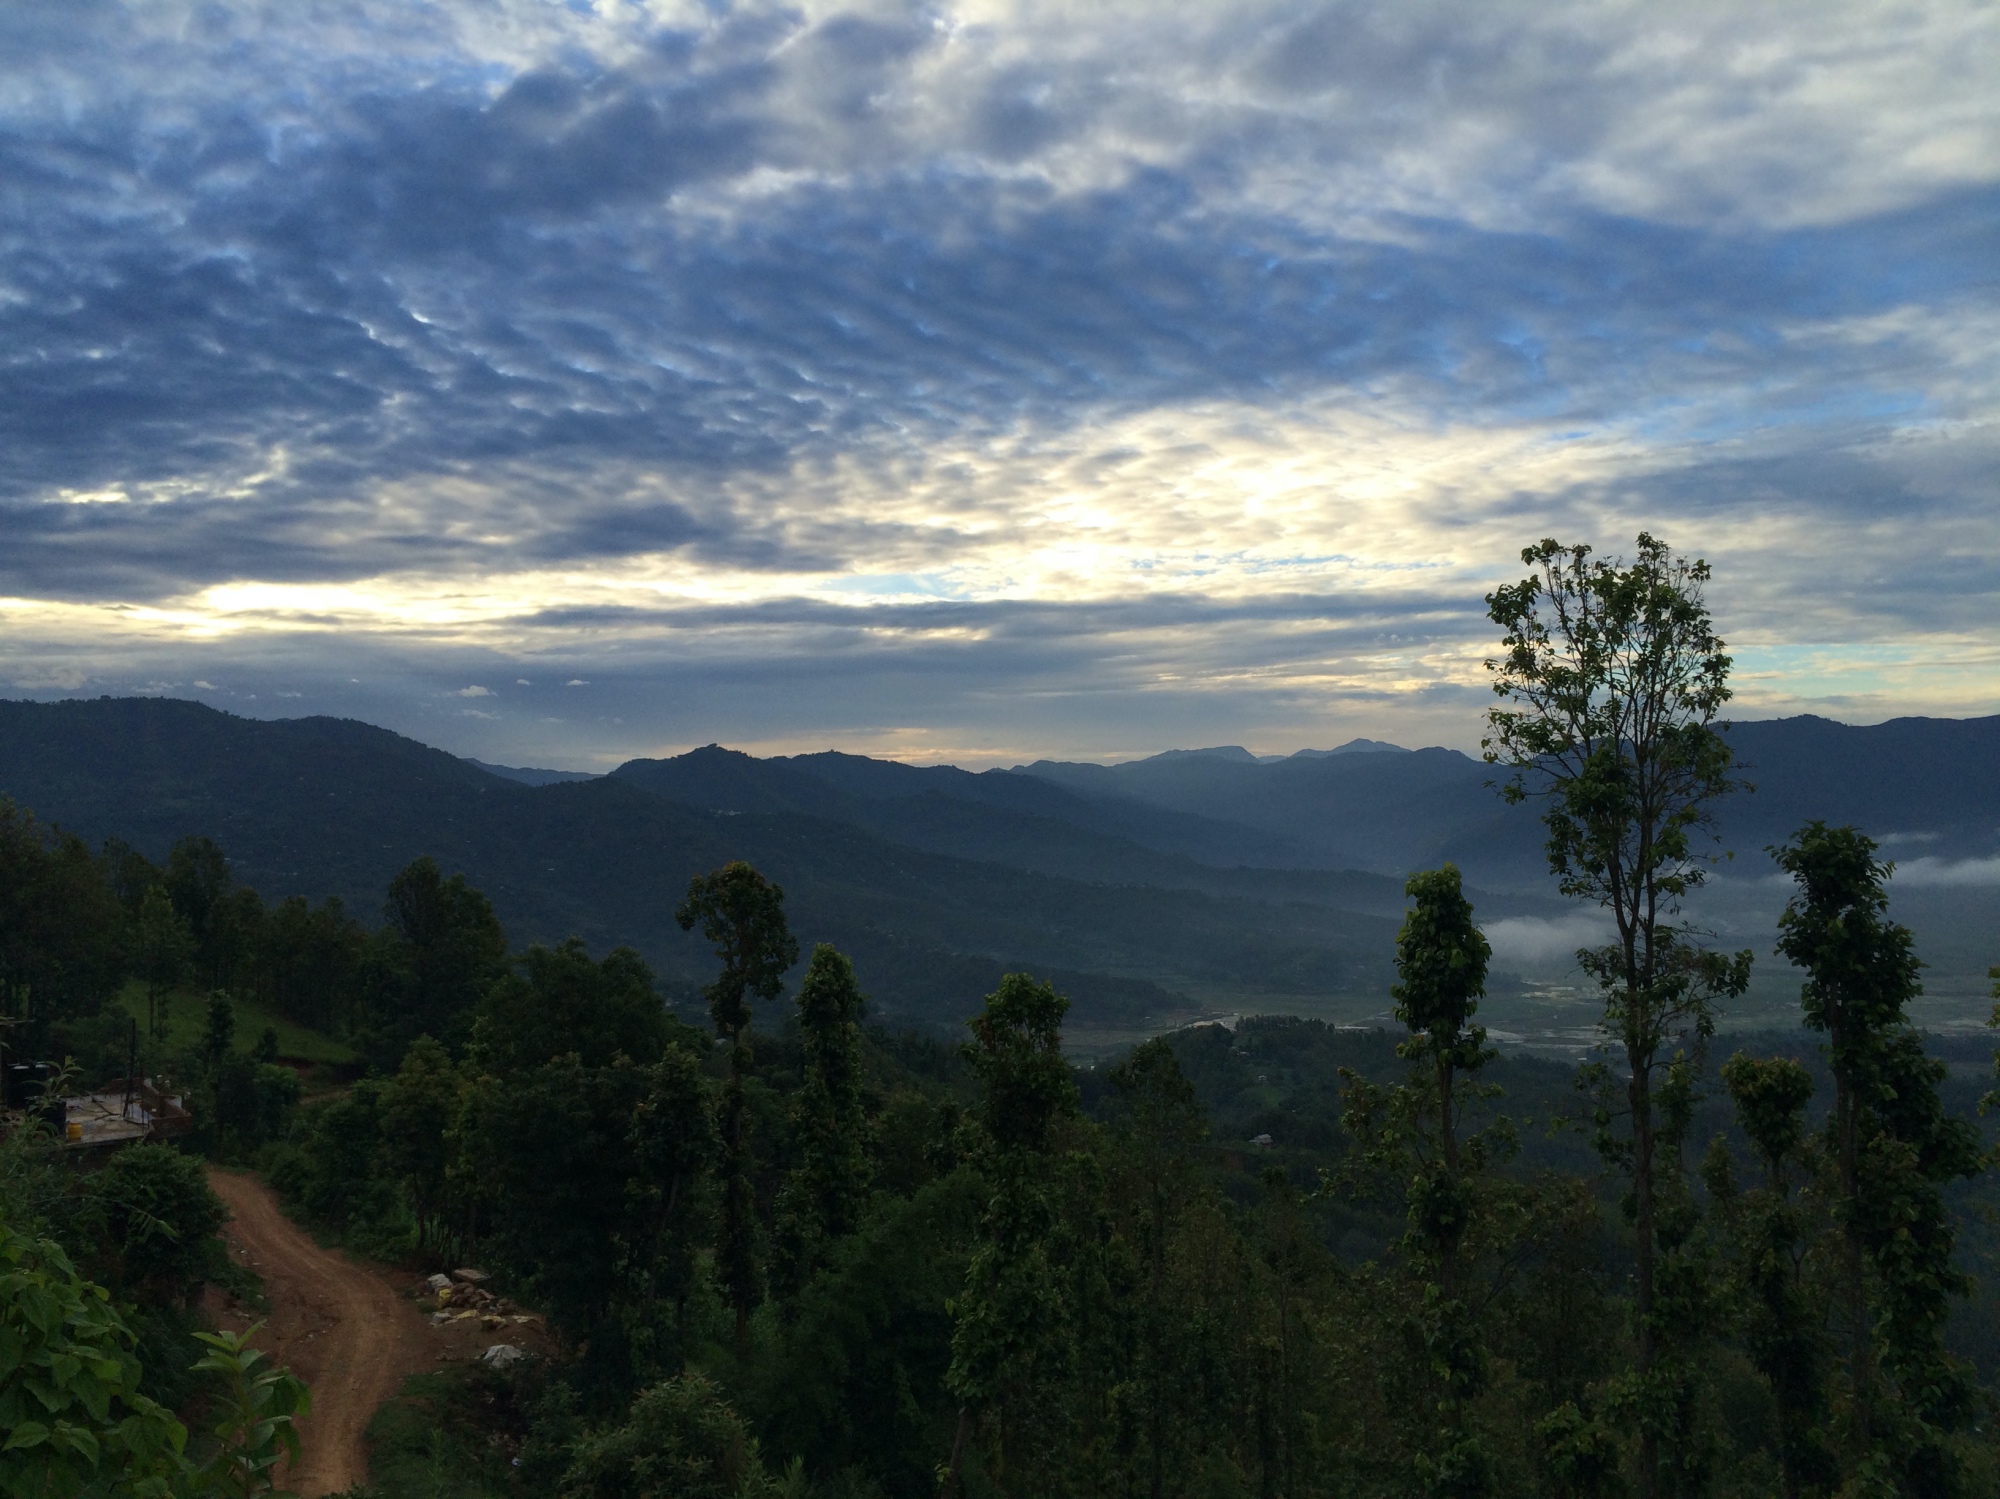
(74, 1130)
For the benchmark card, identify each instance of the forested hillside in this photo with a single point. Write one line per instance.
(938, 896)
(785, 1249)
(1161, 888)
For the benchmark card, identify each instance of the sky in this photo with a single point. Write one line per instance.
(559, 383)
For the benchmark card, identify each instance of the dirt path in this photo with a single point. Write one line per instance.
(341, 1327)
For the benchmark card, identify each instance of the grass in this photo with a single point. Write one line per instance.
(444, 1437)
(187, 1014)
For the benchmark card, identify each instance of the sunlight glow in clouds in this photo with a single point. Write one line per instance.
(1012, 377)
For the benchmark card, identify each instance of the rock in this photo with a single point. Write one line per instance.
(439, 1283)
(500, 1355)
(471, 1277)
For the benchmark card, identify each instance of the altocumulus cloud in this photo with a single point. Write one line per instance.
(968, 379)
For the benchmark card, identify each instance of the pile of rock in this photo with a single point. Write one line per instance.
(462, 1297)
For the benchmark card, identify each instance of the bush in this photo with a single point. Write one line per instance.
(69, 1385)
(681, 1441)
(161, 1221)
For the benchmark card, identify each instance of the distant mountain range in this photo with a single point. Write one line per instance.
(1194, 879)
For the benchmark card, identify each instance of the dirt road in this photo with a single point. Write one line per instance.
(341, 1327)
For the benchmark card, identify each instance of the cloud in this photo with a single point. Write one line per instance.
(1535, 941)
(1931, 871)
(473, 692)
(1222, 355)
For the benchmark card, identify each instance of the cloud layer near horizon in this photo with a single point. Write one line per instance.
(966, 380)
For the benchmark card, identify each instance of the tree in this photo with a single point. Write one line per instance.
(440, 949)
(742, 915)
(59, 926)
(1441, 958)
(161, 1223)
(199, 883)
(1162, 1123)
(1008, 1344)
(561, 1002)
(75, 1421)
(218, 1035)
(1613, 676)
(418, 1105)
(308, 960)
(253, 1416)
(1412, 1136)
(1892, 1144)
(673, 1144)
(163, 949)
(555, 1144)
(680, 1440)
(823, 1196)
(1785, 1332)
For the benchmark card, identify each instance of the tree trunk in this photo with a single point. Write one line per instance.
(1448, 1147)
(738, 1210)
(1640, 1093)
(953, 1484)
(1860, 1357)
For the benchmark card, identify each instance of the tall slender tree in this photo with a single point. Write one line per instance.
(1892, 1145)
(1784, 1330)
(822, 1197)
(742, 915)
(1008, 1345)
(1441, 958)
(162, 948)
(673, 1146)
(1612, 676)
(1161, 1124)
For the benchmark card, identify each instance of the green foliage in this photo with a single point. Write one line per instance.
(556, 1149)
(59, 931)
(674, 1147)
(1016, 1054)
(334, 1175)
(70, 1405)
(1413, 1132)
(308, 962)
(449, 1435)
(823, 1195)
(1613, 676)
(418, 1106)
(1891, 1144)
(1010, 1275)
(253, 1418)
(742, 915)
(1775, 1231)
(681, 1440)
(197, 881)
(440, 950)
(162, 953)
(860, 1388)
(560, 1001)
(160, 1221)
(1009, 1351)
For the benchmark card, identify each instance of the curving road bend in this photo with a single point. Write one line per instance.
(341, 1327)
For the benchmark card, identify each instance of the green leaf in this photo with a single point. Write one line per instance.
(26, 1434)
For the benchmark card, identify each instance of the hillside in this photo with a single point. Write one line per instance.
(329, 807)
(1190, 881)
